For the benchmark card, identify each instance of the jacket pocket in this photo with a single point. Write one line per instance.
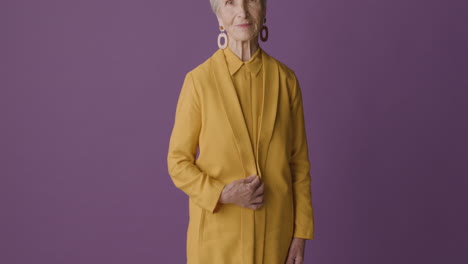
(223, 225)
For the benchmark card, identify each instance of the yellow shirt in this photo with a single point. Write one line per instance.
(247, 78)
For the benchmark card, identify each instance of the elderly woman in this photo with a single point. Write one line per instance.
(249, 188)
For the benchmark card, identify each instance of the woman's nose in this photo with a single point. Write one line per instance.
(242, 9)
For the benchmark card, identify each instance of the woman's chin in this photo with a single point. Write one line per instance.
(244, 37)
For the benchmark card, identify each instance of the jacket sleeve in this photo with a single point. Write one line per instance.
(300, 169)
(185, 174)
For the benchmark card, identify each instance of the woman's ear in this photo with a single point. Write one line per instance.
(220, 22)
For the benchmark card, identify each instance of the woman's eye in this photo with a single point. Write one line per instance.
(229, 2)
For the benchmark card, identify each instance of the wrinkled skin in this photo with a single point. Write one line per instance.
(247, 192)
(296, 251)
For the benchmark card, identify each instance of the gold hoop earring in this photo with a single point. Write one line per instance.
(220, 36)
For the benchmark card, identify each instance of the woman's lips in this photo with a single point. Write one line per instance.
(244, 25)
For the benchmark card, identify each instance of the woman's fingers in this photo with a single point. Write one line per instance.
(250, 195)
(257, 196)
(255, 206)
(255, 183)
(258, 199)
(259, 190)
(250, 178)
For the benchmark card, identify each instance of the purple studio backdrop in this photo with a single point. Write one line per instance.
(88, 91)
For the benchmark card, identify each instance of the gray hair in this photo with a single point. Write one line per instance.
(215, 4)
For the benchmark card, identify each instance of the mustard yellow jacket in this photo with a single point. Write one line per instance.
(209, 117)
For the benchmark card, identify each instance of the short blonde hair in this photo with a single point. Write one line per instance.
(215, 4)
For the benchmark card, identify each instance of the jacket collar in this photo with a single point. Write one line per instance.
(232, 109)
(254, 64)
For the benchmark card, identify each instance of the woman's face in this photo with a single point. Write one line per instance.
(242, 19)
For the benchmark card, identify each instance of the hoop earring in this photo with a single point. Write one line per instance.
(263, 37)
(220, 36)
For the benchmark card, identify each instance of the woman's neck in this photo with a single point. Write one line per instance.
(244, 49)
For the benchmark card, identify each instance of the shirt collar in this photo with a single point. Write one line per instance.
(254, 64)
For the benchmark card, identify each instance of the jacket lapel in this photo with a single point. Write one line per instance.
(233, 110)
(269, 108)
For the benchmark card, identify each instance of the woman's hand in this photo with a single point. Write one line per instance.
(296, 251)
(247, 192)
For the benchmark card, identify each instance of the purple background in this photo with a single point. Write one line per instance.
(87, 102)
